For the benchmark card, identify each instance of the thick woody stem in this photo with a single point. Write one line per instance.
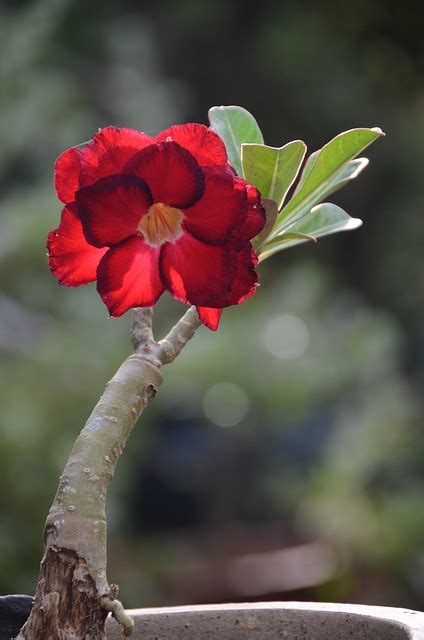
(73, 594)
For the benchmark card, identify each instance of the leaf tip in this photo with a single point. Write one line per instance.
(354, 223)
(378, 130)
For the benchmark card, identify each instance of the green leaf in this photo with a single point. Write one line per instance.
(271, 211)
(291, 236)
(235, 125)
(323, 220)
(273, 170)
(348, 172)
(326, 171)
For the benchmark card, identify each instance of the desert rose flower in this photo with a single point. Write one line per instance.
(143, 215)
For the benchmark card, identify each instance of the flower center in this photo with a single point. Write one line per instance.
(161, 224)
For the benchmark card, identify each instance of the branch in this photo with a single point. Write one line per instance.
(171, 346)
(110, 603)
(141, 328)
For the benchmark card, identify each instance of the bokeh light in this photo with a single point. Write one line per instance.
(286, 337)
(225, 404)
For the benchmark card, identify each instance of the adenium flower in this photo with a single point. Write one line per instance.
(143, 215)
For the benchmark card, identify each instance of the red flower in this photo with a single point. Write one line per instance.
(146, 214)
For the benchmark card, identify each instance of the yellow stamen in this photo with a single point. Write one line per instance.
(161, 224)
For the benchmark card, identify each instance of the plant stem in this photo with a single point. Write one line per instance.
(73, 595)
(171, 346)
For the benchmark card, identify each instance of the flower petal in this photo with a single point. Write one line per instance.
(109, 151)
(196, 272)
(244, 286)
(202, 142)
(128, 276)
(172, 173)
(209, 316)
(112, 207)
(256, 217)
(66, 174)
(246, 279)
(220, 212)
(72, 260)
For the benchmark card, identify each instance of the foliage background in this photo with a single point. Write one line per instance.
(284, 457)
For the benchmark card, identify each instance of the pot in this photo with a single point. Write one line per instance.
(259, 621)
(274, 621)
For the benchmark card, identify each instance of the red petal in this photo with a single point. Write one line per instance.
(246, 279)
(202, 142)
(72, 260)
(172, 173)
(196, 272)
(244, 286)
(210, 317)
(256, 217)
(128, 276)
(66, 174)
(111, 208)
(220, 212)
(109, 151)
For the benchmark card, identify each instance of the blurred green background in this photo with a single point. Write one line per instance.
(284, 456)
